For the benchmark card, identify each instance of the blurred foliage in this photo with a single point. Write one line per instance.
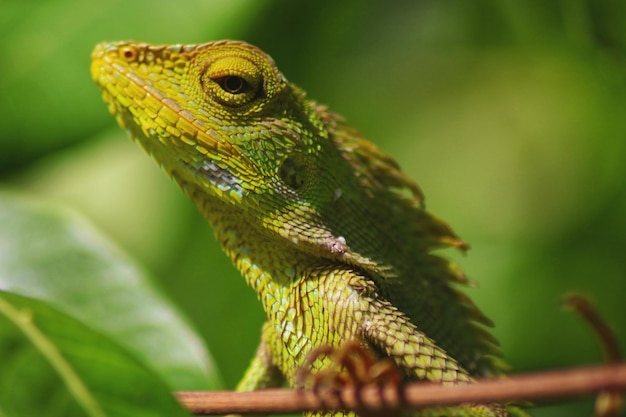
(82, 330)
(509, 114)
(102, 379)
(55, 256)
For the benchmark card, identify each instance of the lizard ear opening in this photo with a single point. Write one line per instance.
(293, 171)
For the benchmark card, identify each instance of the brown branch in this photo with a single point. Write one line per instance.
(544, 386)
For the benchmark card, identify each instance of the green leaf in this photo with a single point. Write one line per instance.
(53, 255)
(55, 366)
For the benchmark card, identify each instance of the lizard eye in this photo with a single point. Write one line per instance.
(233, 81)
(293, 171)
(233, 84)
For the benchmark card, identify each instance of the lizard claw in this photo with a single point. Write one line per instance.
(351, 365)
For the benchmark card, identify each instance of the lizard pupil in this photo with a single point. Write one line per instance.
(234, 85)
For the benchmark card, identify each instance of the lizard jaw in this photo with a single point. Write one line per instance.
(159, 123)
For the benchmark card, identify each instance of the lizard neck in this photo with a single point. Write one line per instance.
(279, 274)
(268, 264)
(295, 289)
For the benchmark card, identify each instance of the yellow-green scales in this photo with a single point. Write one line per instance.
(323, 225)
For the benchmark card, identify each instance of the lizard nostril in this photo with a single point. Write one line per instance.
(128, 53)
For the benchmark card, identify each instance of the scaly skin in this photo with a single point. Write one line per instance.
(324, 226)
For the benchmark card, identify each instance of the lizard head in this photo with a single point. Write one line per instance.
(231, 130)
(195, 108)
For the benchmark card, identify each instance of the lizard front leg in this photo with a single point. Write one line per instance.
(356, 309)
(262, 371)
(419, 357)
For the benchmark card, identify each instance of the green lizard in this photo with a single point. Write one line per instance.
(323, 225)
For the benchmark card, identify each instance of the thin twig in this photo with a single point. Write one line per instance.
(606, 337)
(544, 386)
(608, 403)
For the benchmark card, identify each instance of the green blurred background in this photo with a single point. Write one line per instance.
(510, 114)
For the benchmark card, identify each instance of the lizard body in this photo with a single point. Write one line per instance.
(325, 227)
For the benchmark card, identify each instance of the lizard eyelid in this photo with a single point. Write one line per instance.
(233, 79)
